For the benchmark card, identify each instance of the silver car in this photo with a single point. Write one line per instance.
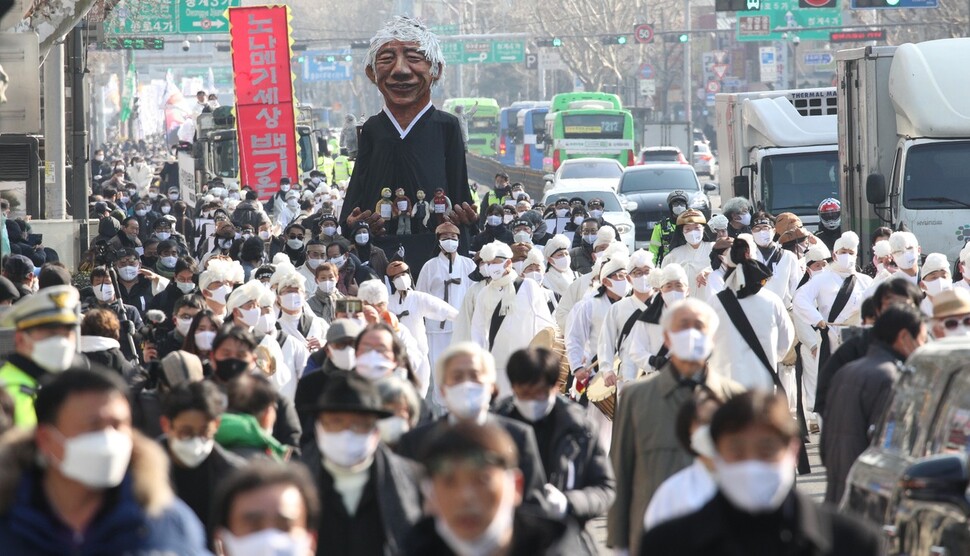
(703, 160)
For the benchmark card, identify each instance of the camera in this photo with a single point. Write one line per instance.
(658, 361)
(186, 45)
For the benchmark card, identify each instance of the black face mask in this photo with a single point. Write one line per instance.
(228, 369)
(149, 262)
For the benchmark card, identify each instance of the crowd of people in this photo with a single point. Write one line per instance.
(252, 376)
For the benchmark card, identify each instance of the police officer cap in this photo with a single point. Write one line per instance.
(56, 305)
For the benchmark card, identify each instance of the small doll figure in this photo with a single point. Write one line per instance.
(402, 211)
(385, 208)
(420, 214)
(441, 204)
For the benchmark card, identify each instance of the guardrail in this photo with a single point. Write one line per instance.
(482, 170)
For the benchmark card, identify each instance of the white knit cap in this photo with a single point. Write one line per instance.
(613, 264)
(848, 240)
(372, 292)
(882, 249)
(250, 291)
(900, 241)
(718, 222)
(819, 252)
(934, 262)
(670, 273)
(604, 236)
(640, 258)
(556, 243)
(495, 250)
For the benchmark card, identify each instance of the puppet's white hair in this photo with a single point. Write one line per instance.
(407, 29)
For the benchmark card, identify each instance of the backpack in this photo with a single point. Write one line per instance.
(246, 213)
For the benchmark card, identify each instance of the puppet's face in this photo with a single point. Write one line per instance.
(420, 195)
(439, 192)
(399, 192)
(402, 74)
(386, 192)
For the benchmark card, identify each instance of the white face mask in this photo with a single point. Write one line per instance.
(522, 237)
(344, 359)
(346, 448)
(327, 286)
(762, 237)
(561, 263)
(756, 486)
(392, 429)
(595, 213)
(374, 365)
(905, 260)
(329, 230)
(203, 340)
(97, 459)
(339, 261)
(534, 275)
(220, 294)
(54, 354)
(619, 287)
(183, 325)
(517, 266)
(490, 539)
(249, 316)
(449, 245)
(268, 542)
(162, 236)
(534, 410)
(185, 287)
(141, 212)
(467, 400)
(702, 443)
(746, 219)
(690, 345)
(937, 286)
(402, 282)
(291, 301)
(191, 451)
(845, 261)
(264, 235)
(693, 237)
(104, 293)
(168, 262)
(495, 270)
(641, 284)
(294, 243)
(128, 273)
(493, 220)
(671, 297)
(266, 323)
(312, 263)
(562, 213)
(362, 238)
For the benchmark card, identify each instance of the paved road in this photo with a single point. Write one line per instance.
(812, 484)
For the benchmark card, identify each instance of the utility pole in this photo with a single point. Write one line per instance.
(688, 88)
(54, 141)
(79, 137)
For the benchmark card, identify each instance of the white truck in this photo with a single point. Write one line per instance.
(779, 149)
(904, 117)
(673, 134)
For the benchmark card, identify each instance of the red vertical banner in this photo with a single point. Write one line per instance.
(265, 118)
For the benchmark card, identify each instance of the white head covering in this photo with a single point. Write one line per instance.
(287, 278)
(899, 241)
(373, 292)
(494, 250)
(640, 258)
(218, 271)
(534, 257)
(818, 252)
(604, 236)
(613, 264)
(554, 244)
(934, 262)
(848, 240)
(250, 291)
(882, 249)
(670, 273)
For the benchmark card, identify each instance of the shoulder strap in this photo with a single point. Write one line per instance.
(736, 314)
(497, 317)
(280, 338)
(842, 297)
(627, 327)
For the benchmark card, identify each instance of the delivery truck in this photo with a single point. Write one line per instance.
(779, 149)
(904, 121)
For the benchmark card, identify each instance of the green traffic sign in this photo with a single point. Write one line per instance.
(169, 17)
(777, 17)
(484, 52)
(204, 16)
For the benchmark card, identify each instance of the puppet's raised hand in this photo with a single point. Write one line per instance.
(372, 219)
(465, 214)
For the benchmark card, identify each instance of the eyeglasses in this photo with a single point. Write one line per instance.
(952, 324)
(294, 236)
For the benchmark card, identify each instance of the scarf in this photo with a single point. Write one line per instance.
(747, 278)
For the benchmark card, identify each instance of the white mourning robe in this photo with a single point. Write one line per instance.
(733, 358)
(412, 307)
(583, 330)
(616, 318)
(785, 274)
(311, 282)
(291, 353)
(813, 301)
(290, 324)
(431, 280)
(526, 313)
(462, 329)
(684, 492)
(578, 290)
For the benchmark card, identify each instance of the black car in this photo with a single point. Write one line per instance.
(648, 187)
(913, 478)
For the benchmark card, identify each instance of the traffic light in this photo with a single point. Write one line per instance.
(684, 37)
(348, 58)
(615, 39)
(360, 44)
(300, 59)
(331, 59)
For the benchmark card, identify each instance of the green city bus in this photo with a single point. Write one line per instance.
(590, 132)
(483, 124)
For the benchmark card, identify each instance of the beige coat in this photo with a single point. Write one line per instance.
(645, 451)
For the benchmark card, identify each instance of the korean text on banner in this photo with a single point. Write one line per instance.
(265, 119)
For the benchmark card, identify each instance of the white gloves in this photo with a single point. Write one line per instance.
(557, 500)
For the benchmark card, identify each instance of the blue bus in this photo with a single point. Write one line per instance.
(529, 152)
(508, 131)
